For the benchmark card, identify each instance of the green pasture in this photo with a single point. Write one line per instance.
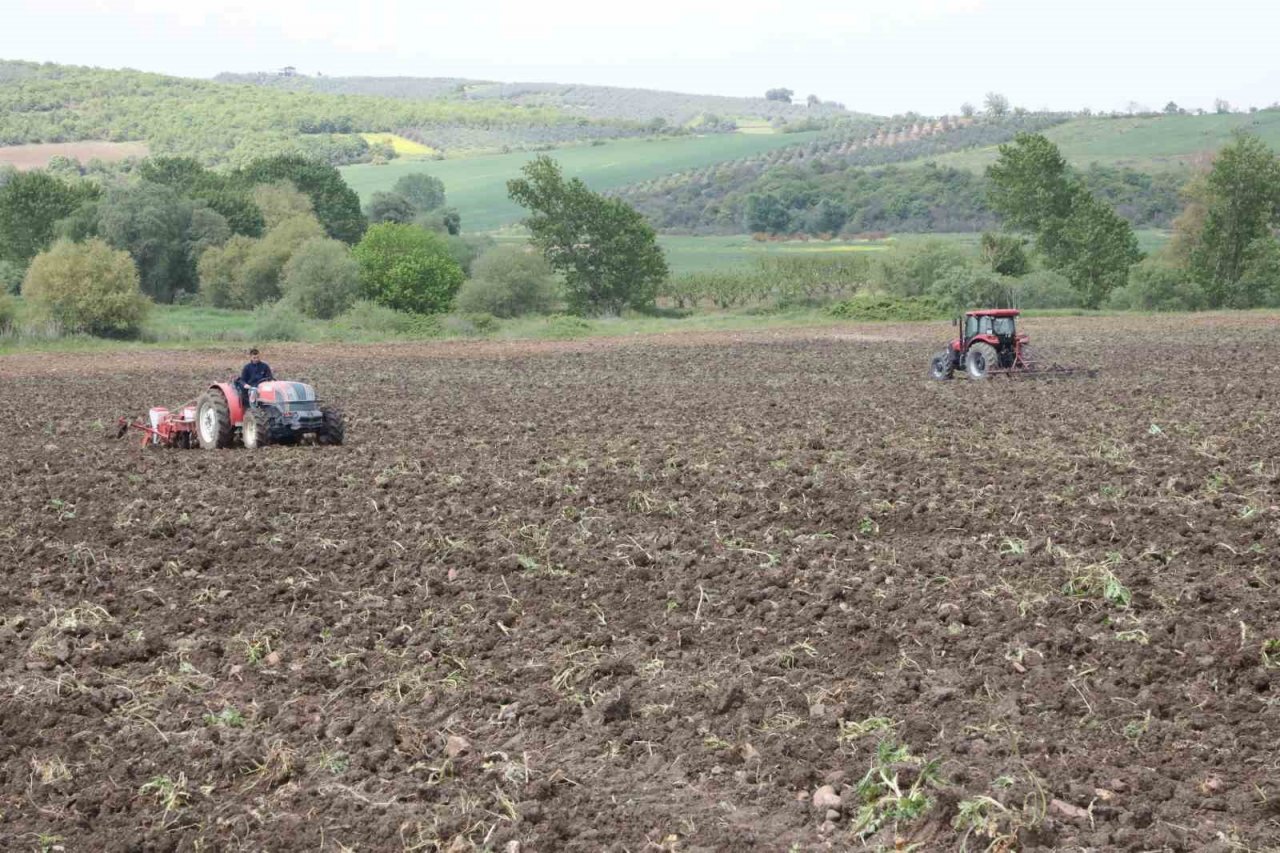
(477, 186)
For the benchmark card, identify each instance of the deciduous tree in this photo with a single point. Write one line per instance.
(608, 254)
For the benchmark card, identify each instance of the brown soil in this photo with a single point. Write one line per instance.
(653, 594)
(38, 155)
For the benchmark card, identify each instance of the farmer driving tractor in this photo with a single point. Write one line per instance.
(255, 372)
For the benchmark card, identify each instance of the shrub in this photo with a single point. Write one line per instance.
(8, 311)
(221, 271)
(321, 278)
(912, 268)
(407, 268)
(87, 287)
(422, 190)
(880, 306)
(389, 207)
(276, 322)
(963, 288)
(280, 201)
(11, 275)
(566, 326)
(264, 263)
(508, 281)
(478, 323)
(466, 248)
(368, 317)
(1045, 289)
(1158, 286)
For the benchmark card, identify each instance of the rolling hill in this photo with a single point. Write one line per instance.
(477, 186)
(1147, 144)
(230, 123)
(597, 102)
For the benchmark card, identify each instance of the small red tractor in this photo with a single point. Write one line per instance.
(990, 345)
(276, 412)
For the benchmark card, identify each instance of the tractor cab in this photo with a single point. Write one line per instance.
(989, 341)
(994, 326)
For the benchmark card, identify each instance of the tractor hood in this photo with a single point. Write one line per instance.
(286, 395)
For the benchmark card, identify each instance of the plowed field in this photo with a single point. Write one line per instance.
(760, 591)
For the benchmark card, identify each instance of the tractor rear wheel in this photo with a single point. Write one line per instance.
(942, 366)
(334, 429)
(981, 360)
(213, 421)
(255, 429)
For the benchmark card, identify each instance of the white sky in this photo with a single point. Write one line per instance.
(883, 57)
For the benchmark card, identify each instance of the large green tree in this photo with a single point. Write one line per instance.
(1034, 190)
(426, 192)
(1097, 250)
(407, 268)
(155, 225)
(220, 192)
(336, 205)
(31, 203)
(1241, 197)
(608, 254)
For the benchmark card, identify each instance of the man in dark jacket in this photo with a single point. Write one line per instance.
(254, 372)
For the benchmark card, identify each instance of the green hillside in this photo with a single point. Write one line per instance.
(477, 186)
(600, 102)
(232, 123)
(1148, 144)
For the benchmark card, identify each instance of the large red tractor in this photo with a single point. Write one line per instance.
(277, 412)
(991, 345)
(989, 342)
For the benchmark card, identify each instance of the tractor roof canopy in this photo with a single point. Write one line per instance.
(993, 312)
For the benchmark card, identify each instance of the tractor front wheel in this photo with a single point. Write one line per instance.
(213, 421)
(942, 366)
(334, 429)
(255, 429)
(981, 360)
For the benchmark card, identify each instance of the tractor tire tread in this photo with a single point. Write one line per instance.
(334, 430)
(225, 429)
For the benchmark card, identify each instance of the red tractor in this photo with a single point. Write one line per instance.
(276, 412)
(989, 344)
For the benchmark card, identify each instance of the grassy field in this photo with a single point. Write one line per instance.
(703, 254)
(477, 186)
(1145, 144)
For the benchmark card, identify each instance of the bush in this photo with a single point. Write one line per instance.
(407, 268)
(87, 287)
(280, 201)
(264, 263)
(1259, 284)
(566, 326)
(8, 311)
(276, 322)
(478, 323)
(1158, 286)
(369, 317)
(11, 275)
(912, 268)
(321, 278)
(1045, 289)
(964, 288)
(880, 306)
(508, 281)
(466, 248)
(221, 273)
